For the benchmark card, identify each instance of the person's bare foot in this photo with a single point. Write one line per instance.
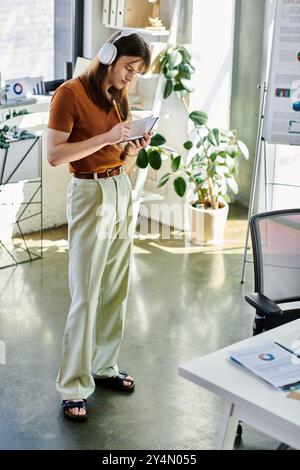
(128, 382)
(75, 411)
(122, 382)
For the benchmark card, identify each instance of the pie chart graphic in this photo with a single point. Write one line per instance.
(298, 56)
(18, 88)
(266, 357)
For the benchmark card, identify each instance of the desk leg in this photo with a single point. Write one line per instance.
(228, 428)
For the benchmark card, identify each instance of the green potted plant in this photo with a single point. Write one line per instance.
(177, 68)
(211, 167)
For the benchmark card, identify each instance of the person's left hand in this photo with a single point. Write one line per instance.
(134, 146)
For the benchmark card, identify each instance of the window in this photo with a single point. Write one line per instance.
(35, 38)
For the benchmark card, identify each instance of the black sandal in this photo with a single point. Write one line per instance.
(68, 404)
(116, 383)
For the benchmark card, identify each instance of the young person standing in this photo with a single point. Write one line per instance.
(85, 131)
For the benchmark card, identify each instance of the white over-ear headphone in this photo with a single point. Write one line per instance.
(108, 51)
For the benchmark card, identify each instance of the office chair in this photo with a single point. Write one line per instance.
(276, 255)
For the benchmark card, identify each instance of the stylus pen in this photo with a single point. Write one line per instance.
(122, 157)
(296, 353)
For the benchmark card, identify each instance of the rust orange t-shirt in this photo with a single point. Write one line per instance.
(72, 111)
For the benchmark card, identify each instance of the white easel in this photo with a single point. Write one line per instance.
(271, 105)
(258, 150)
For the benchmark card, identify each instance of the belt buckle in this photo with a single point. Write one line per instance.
(108, 171)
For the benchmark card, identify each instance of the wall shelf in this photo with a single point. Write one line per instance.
(142, 31)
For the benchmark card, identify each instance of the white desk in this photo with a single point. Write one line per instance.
(246, 397)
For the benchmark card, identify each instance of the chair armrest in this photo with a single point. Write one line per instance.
(263, 304)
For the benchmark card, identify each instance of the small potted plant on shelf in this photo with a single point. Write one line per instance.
(211, 167)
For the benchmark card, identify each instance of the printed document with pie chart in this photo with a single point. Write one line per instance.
(271, 362)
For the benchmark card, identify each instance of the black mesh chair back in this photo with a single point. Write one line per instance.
(276, 251)
(276, 254)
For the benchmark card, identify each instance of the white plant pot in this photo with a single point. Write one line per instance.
(207, 226)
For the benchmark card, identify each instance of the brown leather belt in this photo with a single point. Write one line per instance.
(105, 174)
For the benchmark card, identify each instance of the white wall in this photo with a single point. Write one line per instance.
(212, 50)
(94, 33)
(249, 55)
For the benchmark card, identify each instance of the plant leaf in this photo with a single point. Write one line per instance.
(214, 137)
(229, 162)
(164, 180)
(154, 158)
(213, 156)
(157, 140)
(172, 73)
(184, 75)
(233, 150)
(185, 71)
(187, 85)
(175, 58)
(233, 185)
(179, 186)
(185, 53)
(176, 163)
(179, 87)
(168, 89)
(221, 170)
(226, 198)
(142, 159)
(188, 145)
(185, 68)
(199, 118)
(244, 149)
(201, 142)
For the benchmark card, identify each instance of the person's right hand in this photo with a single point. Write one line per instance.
(119, 132)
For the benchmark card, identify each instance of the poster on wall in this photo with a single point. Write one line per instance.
(282, 112)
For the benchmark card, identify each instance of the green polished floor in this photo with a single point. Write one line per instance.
(185, 301)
